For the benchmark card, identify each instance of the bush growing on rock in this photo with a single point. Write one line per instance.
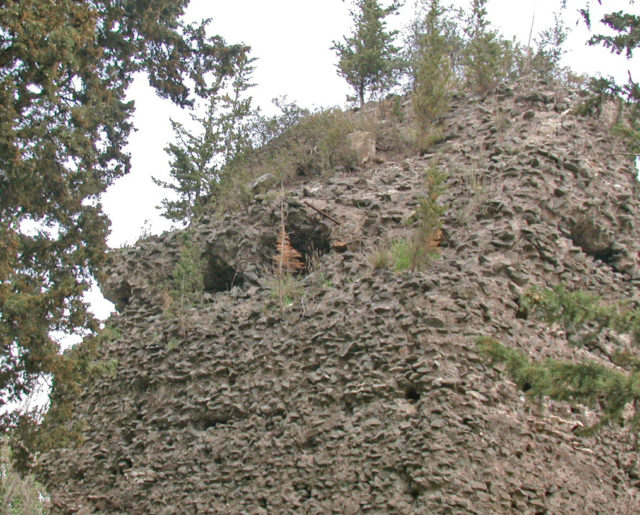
(414, 252)
(187, 275)
(427, 221)
(296, 143)
(488, 59)
(187, 281)
(583, 316)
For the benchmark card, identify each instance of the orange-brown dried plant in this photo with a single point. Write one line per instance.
(288, 260)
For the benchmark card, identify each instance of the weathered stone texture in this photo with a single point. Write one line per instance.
(366, 395)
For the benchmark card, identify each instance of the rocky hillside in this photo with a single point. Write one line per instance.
(365, 394)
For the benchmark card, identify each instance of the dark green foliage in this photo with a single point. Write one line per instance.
(579, 310)
(626, 25)
(545, 60)
(187, 276)
(487, 58)
(368, 60)
(585, 315)
(64, 121)
(625, 39)
(268, 128)
(431, 66)
(293, 143)
(416, 251)
(310, 142)
(199, 157)
(38, 431)
(428, 220)
(588, 383)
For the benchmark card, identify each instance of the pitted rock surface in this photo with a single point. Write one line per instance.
(366, 395)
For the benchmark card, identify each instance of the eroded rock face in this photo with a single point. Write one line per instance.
(236, 251)
(366, 394)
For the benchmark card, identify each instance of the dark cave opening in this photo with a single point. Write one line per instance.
(121, 296)
(594, 241)
(412, 395)
(219, 276)
(312, 240)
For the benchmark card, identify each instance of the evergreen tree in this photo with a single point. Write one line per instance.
(198, 158)
(626, 38)
(624, 24)
(545, 61)
(238, 125)
(368, 60)
(431, 66)
(583, 316)
(486, 56)
(64, 121)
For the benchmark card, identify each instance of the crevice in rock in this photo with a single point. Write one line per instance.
(141, 384)
(522, 313)
(120, 296)
(205, 422)
(593, 240)
(310, 241)
(219, 276)
(412, 395)
(310, 237)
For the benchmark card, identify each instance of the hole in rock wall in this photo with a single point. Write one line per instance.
(207, 421)
(412, 395)
(121, 296)
(219, 275)
(310, 238)
(593, 241)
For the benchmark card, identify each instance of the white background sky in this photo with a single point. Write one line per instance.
(291, 40)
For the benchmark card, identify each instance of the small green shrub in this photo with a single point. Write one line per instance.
(417, 250)
(187, 282)
(630, 135)
(424, 141)
(286, 290)
(297, 142)
(187, 274)
(427, 221)
(317, 143)
(381, 257)
(401, 252)
(20, 494)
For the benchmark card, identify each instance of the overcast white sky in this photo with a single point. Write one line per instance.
(291, 40)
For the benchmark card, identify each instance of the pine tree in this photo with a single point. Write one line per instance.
(486, 57)
(431, 66)
(237, 127)
(368, 60)
(198, 158)
(626, 25)
(626, 38)
(64, 121)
